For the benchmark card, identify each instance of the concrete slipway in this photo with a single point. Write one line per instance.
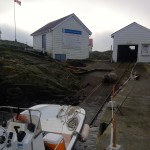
(133, 117)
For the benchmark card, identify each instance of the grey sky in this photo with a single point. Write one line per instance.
(102, 17)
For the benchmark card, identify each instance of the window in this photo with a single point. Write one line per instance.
(145, 49)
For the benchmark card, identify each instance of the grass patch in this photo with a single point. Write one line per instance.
(25, 77)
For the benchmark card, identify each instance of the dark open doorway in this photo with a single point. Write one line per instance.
(127, 53)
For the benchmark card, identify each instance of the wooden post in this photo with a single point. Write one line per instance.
(114, 130)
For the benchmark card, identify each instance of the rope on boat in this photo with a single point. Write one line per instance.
(69, 116)
(72, 123)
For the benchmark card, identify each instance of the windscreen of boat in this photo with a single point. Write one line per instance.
(4, 117)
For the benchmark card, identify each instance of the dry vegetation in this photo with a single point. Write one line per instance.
(30, 78)
(26, 79)
(97, 55)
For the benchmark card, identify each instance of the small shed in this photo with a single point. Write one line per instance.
(131, 43)
(90, 45)
(65, 38)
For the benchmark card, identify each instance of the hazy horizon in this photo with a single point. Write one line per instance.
(102, 17)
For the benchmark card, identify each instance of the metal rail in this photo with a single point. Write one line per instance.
(100, 109)
(93, 121)
(108, 90)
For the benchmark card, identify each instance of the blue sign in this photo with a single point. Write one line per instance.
(71, 31)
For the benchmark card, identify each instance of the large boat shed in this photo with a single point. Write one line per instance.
(131, 43)
(65, 38)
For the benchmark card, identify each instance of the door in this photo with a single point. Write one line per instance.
(127, 53)
(44, 42)
(60, 57)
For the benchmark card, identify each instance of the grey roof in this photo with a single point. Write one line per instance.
(50, 26)
(134, 23)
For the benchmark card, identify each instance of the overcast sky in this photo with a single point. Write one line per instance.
(102, 17)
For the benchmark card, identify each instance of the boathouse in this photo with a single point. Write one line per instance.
(65, 38)
(131, 43)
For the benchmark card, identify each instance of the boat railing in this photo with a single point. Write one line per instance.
(19, 109)
(32, 114)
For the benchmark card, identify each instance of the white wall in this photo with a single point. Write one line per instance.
(49, 44)
(37, 42)
(54, 41)
(90, 48)
(133, 34)
(81, 53)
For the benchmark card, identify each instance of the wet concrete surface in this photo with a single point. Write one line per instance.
(96, 98)
(133, 121)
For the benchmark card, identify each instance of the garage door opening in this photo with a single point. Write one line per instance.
(127, 53)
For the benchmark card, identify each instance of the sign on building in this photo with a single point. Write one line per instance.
(145, 49)
(71, 39)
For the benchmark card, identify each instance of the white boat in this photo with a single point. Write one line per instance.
(42, 127)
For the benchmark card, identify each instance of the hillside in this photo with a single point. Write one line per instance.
(28, 78)
(97, 55)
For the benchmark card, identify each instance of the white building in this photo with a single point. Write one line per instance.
(65, 38)
(131, 43)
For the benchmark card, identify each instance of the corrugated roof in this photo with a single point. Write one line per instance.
(50, 25)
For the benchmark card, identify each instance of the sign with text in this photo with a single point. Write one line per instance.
(146, 49)
(71, 39)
